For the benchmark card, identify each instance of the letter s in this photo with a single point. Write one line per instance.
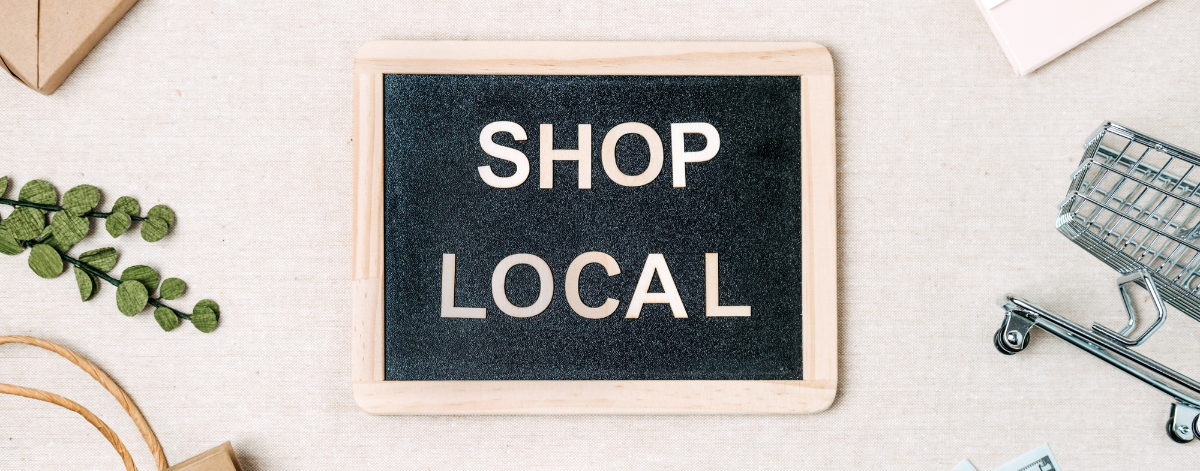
(507, 153)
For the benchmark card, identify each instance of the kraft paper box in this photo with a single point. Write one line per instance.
(220, 458)
(41, 41)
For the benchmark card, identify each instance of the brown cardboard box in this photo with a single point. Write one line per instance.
(41, 41)
(220, 458)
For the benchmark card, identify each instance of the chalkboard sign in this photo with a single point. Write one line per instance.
(594, 228)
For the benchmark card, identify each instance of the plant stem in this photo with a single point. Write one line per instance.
(50, 207)
(115, 282)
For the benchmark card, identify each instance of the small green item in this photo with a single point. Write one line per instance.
(39, 192)
(172, 288)
(8, 244)
(162, 212)
(127, 205)
(142, 274)
(211, 305)
(45, 261)
(26, 223)
(101, 259)
(70, 223)
(158, 222)
(132, 297)
(166, 318)
(154, 229)
(117, 223)
(80, 200)
(49, 239)
(69, 229)
(87, 284)
(205, 315)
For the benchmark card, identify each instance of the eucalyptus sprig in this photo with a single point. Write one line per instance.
(70, 223)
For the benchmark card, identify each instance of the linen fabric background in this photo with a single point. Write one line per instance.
(950, 172)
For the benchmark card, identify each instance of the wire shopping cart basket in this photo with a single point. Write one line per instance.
(1134, 203)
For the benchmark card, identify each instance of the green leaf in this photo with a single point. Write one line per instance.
(172, 288)
(68, 229)
(211, 305)
(101, 259)
(87, 284)
(52, 241)
(81, 199)
(132, 297)
(154, 229)
(26, 223)
(117, 223)
(3, 185)
(142, 274)
(162, 212)
(45, 261)
(8, 244)
(205, 315)
(40, 192)
(166, 318)
(127, 205)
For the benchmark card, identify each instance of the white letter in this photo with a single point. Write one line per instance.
(544, 276)
(448, 307)
(577, 304)
(712, 307)
(608, 154)
(549, 154)
(507, 153)
(655, 263)
(679, 156)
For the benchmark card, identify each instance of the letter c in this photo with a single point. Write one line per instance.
(610, 265)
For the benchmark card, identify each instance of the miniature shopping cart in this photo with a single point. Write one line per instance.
(1134, 203)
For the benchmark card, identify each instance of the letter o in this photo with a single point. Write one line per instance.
(608, 154)
(500, 274)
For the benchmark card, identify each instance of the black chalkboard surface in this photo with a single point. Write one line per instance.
(574, 228)
(743, 204)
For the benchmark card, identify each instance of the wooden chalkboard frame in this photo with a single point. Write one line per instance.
(811, 62)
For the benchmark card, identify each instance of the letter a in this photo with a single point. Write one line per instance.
(655, 263)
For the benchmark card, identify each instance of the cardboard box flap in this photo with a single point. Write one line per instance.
(41, 41)
(220, 458)
(19, 39)
(69, 30)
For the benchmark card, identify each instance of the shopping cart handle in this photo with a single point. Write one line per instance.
(1141, 278)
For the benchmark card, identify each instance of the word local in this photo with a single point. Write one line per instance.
(583, 154)
(655, 265)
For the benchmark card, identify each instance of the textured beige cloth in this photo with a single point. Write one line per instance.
(951, 168)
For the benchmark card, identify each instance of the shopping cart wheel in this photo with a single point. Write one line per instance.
(1174, 435)
(1181, 426)
(996, 339)
(1010, 339)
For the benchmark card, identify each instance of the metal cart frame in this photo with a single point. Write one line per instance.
(1134, 203)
